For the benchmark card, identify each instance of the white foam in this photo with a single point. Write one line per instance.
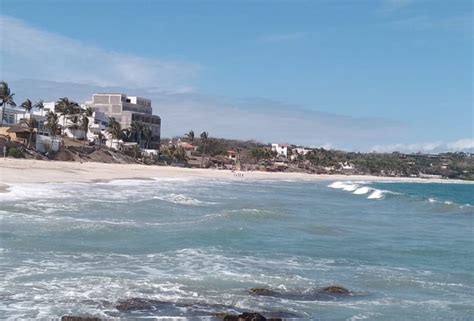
(338, 185)
(350, 187)
(376, 195)
(181, 199)
(362, 190)
(432, 200)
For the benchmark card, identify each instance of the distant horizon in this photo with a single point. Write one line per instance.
(393, 75)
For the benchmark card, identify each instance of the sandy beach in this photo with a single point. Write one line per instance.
(19, 171)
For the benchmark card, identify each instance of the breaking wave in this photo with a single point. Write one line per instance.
(360, 189)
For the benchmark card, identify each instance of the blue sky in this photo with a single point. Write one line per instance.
(399, 71)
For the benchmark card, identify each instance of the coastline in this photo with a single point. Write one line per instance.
(23, 171)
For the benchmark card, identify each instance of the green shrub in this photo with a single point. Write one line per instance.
(15, 152)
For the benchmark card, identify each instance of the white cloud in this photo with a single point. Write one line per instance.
(260, 119)
(27, 52)
(461, 145)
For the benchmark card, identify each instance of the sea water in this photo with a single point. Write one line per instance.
(405, 251)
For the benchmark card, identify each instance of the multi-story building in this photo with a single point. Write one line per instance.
(127, 109)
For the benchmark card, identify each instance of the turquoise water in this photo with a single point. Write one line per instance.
(404, 250)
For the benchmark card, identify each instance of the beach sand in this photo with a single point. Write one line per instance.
(19, 171)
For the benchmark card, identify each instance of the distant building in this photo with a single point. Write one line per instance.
(280, 149)
(11, 115)
(232, 155)
(300, 151)
(127, 109)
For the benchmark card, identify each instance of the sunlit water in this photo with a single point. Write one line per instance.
(404, 250)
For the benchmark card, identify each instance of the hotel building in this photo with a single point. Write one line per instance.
(127, 109)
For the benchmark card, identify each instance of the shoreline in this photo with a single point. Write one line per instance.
(26, 171)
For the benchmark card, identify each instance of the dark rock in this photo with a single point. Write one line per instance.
(335, 290)
(77, 318)
(246, 316)
(326, 293)
(263, 291)
(135, 304)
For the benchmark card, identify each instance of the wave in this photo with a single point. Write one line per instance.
(376, 194)
(360, 189)
(182, 199)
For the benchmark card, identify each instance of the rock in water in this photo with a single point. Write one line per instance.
(77, 318)
(246, 316)
(335, 290)
(135, 304)
(263, 291)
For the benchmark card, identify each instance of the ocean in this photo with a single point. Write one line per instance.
(197, 246)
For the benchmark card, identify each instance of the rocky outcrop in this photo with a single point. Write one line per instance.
(335, 289)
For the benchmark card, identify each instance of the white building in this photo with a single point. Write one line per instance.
(11, 115)
(280, 149)
(127, 109)
(300, 151)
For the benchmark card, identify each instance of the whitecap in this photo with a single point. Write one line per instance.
(350, 187)
(376, 194)
(362, 190)
(338, 185)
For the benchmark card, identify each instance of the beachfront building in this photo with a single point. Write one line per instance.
(127, 109)
(280, 149)
(11, 115)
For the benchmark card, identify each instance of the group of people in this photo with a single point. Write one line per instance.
(238, 174)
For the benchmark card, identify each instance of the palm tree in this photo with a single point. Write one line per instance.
(85, 128)
(100, 137)
(75, 125)
(126, 135)
(137, 128)
(53, 124)
(65, 107)
(27, 105)
(204, 138)
(6, 98)
(115, 129)
(148, 133)
(40, 106)
(89, 111)
(190, 136)
(31, 124)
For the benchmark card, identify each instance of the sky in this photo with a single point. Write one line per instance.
(356, 75)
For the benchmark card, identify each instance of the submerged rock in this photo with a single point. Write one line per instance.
(78, 318)
(326, 293)
(150, 307)
(335, 289)
(263, 291)
(247, 316)
(135, 304)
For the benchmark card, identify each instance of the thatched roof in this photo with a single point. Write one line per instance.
(17, 129)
